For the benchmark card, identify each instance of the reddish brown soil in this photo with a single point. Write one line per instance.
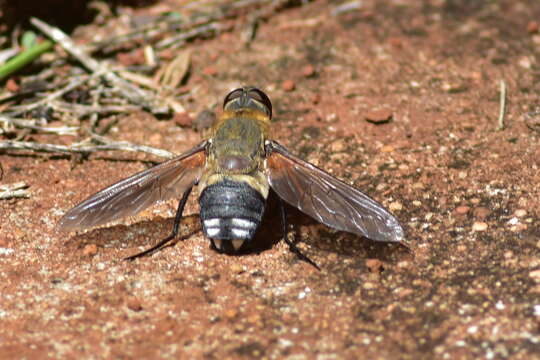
(466, 194)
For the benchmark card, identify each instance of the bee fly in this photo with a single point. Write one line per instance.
(234, 170)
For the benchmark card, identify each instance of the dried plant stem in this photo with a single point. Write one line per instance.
(502, 106)
(34, 124)
(202, 25)
(127, 146)
(85, 110)
(178, 40)
(129, 91)
(17, 110)
(15, 190)
(83, 148)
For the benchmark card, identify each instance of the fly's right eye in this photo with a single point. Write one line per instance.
(261, 97)
(233, 95)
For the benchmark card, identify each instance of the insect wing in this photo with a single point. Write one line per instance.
(327, 199)
(134, 194)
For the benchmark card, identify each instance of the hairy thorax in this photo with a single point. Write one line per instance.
(236, 151)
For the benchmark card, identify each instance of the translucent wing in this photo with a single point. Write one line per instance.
(134, 194)
(327, 199)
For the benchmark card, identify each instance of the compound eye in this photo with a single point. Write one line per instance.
(261, 97)
(233, 95)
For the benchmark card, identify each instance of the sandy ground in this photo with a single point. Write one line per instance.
(465, 193)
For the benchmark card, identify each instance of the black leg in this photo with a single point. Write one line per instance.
(291, 244)
(169, 238)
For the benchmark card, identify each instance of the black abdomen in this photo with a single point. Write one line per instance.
(231, 211)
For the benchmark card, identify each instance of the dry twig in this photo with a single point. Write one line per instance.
(84, 147)
(17, 110)
(502, 106)
(199, 31)
(207, 23)
(127, 146)
(84, 110)
(129, 91)
(15, 190)
(34, 124)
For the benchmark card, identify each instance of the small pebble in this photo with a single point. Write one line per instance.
(401, 293)
(183, 119)
(378, 116)
(288, 85)
(254, 319)
(395, 41)
(331, 118)
(479, 226)
(403, 167)
(520, 212)
(462, 210)
(387, 149)
(127, 59)
(231, 314)
(134, 304)
(453, 88)
(11, 85)
(395, 206)
(461, 248)
(513, 221)
(369, 286)
(403, 264)
(237, 268)
(535, 274)
(518, 227)
(210, 71)
(481, 213)
(374, 265)
(533, 27)
(332, 257)
(338, 146)
(418, 186)
(90, 250)
(525, 62)
(308, 70)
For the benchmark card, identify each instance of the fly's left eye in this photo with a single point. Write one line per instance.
(261, 97)
(233, 95)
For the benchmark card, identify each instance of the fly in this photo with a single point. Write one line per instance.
(234, 169)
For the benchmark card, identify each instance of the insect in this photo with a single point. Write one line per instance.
(234, 169)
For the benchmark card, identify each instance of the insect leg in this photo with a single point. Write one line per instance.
(292, 246)
(169, 238)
